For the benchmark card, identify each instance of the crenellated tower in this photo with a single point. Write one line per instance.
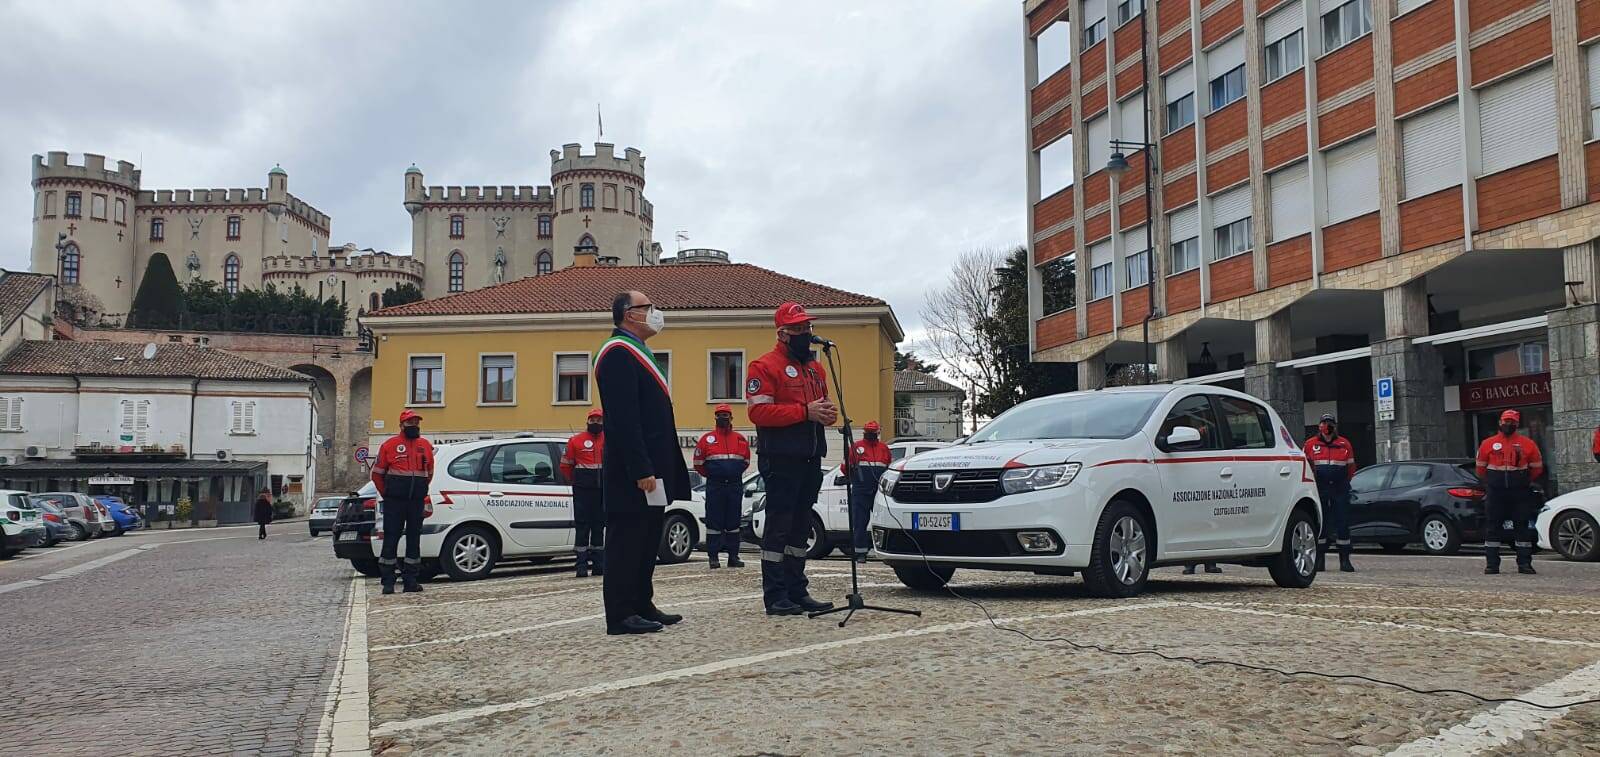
(601, 201)
(83, 226)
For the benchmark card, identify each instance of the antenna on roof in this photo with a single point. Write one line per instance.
(150, 351)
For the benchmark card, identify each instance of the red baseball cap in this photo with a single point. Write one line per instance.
(595, 413)
(723, 408)
(791, 313)
(406, 415)
(1511, 415)
(871, 426)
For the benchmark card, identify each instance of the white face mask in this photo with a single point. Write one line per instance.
(656, 320)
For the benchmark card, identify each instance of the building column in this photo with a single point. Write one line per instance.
(1092, 372)
(1172, 360)
(1574, 333)
(338, 457)
(1417, 429)
(1279, 387)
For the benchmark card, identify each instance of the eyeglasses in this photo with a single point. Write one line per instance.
(636, 307)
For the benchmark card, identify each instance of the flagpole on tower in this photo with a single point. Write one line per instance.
(599, 121)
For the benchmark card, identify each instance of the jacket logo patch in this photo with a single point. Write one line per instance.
(1497, 446)
(711, 439)
(1316, 448)
(753, 386)
(790, 371)
(861, 450)
(401, 448)
(588, 444)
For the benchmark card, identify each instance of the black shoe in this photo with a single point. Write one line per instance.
(715, 565)
(1188, 570)
(664, 618)
(1345, 566)
(785, 607)
(388, 588)
(1213, 569)
(633, 624)
(1527, 570)
(809, 603)
(735, 562)
(583, 571)
(1492, 570)
(412, 586)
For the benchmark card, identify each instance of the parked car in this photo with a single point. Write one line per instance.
(1108, 483)
(352, 529)
(108, 524)
(56, 528)
(323, 513)
(123, 517)
(1436, 503)
(21, 523)
(81, 511)
(1567, 524)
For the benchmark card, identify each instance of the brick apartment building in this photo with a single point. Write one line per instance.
(1344, 191)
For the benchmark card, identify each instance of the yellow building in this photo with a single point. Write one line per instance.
(517, 357)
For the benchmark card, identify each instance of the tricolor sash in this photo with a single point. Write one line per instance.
(640, 352)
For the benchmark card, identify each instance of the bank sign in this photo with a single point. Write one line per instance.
(1516, 391)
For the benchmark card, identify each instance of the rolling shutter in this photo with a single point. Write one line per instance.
(1410, 5)
(1430, 150)
(1230, 206)
(1130, 115)
(1226, 56)
(1093, 10)
(1352, 179)
(1332, 5)
(1517, 120)
(1100, 254)
(1184, 224)
(1284, 21)
(1099, 144)
(1592, 52)
(1179, 83)
(1133, 241)
(1290, 195)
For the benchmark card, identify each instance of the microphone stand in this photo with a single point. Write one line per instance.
(853, 600)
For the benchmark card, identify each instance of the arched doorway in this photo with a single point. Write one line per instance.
(360, 422)
(326, 398)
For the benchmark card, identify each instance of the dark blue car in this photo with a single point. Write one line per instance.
(124, 516)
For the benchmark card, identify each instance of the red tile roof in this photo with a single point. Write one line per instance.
(17, 292)
(672, 287)
(61, 358)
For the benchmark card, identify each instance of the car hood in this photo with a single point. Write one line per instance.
(1583, 499)
(1003, 454)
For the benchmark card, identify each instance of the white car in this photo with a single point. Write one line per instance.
(1109, 483)
(830, 516)
(1567, 524)
(20, 521)
(503, 499)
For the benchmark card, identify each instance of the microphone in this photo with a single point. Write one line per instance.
(819, 340)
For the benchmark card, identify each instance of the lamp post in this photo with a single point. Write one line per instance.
(1118, 166)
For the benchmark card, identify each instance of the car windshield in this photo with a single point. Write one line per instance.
(329, 503)
(1087, 415)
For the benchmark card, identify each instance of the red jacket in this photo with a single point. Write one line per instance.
(868, 460)
(1596, 449)
(722, 455)
(404, 468)
(777, 392)
(1328, 456)
(580, 462)
(1509, 461)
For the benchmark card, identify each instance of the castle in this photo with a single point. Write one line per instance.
(96, 229)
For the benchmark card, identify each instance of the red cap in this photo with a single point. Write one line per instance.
(791, 313)
(595, 413)
(722, 408)
(406, 415)
(1511, 415)
(871, 426)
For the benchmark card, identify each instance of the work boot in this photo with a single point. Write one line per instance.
(809, 603)
(386, 576)
(784, 607)
(734, 561)
(1322, 557)
(408, 576)
(597, 561)
(1491, 556)
(1344, 564)
(583, 566)
(714, 562)
(1527, 569)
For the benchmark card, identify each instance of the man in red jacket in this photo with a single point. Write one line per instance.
(864, 464)
(580, 465)
(402, 473)
(1333, 461)
(722, 456)
(1508, 463)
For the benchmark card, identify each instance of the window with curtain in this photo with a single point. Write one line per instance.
(499, 374)
(572, 377)
(427, 380)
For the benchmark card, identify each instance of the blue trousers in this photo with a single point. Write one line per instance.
(724, 500)
(863, 489)
(1335, 516)
(792, 487)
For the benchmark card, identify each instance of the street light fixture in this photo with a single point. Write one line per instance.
(1118, 166)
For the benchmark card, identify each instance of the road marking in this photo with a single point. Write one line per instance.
(14, 585)
(346, 719)
(398, 726)
(472, 601)
(489, 585)
(56, 550)
(1391, 624)
(82, 568)
(1509, 610)
(1510, 721)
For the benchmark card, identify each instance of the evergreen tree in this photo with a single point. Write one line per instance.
(159, 302)
(401, 294)
(1019, 378)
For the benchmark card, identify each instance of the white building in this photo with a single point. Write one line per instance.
(926, 407)
(156, 423)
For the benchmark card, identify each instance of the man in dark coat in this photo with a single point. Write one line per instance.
(641, 456)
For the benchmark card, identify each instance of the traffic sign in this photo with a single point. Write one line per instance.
(362, 453)
(1385, 397)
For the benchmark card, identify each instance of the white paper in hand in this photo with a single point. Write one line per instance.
(658, 496)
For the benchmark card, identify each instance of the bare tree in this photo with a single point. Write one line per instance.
(953, 314)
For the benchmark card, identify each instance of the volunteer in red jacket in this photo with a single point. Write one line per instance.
(1333, 461)
(1508, 463)
(787, 398)
(402, 473)
(865, 463)
(580, 464)
(722, 456)
(1596, 446)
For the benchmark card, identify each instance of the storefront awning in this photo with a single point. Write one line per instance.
(179, 469)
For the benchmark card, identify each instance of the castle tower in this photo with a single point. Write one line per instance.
(277, 190)
(600, 200)
(415, 195)
(84, 228)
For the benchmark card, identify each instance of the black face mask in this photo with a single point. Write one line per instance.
(800, 348)
(724, 423)
(871, 436)
(594, 428)
(1508, 429)
(411, 432)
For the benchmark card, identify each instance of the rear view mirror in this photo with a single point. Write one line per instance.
(1183, 437)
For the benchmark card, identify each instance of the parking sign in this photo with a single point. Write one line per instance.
(1385, 397)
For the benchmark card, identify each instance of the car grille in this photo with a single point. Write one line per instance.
(981, 485)
(958, 544)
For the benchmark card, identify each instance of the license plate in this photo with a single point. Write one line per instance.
(936, 521)
(347, 536)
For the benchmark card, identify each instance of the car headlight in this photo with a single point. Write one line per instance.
(1019, 480)
(888, 480)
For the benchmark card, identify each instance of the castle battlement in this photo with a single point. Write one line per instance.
(571, 158)
(158, 199)
(374, 261)
(93, 168)
(486, 195)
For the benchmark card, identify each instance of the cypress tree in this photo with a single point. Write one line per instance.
(159, 302)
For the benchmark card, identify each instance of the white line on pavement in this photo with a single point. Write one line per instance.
(14, 585)
(1508, 610)
(393, 727)
(82, 568)
(346, 719)
(1510, 721)
(1390, 624)
(53, 551)
(431, 605)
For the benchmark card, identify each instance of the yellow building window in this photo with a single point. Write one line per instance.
(572, 377)
(427, 380)
(498, 380)
(727, 375)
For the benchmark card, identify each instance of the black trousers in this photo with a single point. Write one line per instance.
(792, 487)
(401, 516)
(263, 532)
(1510, 511)
(589, 519)
(631, 562)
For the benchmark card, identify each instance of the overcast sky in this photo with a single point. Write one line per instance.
(858, 144)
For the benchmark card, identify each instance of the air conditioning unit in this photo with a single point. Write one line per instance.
(5, 459)
(34, 452)
(224, 455)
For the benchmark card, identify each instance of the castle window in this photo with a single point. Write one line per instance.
(566, 198)
(69, 264)
(74, 204)
(158, 230)
(546, 264)
(97, 207)
(230, 274)
(586, 197)
(373, 300)
(233, 227)
(121, 216)
(49, 204)
(608, 197)
(642, 259)
(544, 227)
(627, 200)
(458, 227)
(458, 272)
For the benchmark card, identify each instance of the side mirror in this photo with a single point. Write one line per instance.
(840, 481)
(1181, 438)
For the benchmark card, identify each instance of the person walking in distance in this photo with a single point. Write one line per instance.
(580, 465)
(864, 464)
(263, 512)
(642, 469)
(402, 473)
(1333, 460)
(787, 398)
(722, 456)
(1508, 463)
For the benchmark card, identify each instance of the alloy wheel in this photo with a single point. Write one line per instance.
(678, 539)
(1303, 543)
(471, 553)
(1574, 536)
(1127, 546)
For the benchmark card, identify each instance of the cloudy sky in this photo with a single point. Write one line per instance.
(860, 144)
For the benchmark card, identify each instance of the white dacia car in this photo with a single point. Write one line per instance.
(1109, 483)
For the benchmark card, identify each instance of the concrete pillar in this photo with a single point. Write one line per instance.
(337, 457)
(1172, 360)
(1405, 310)
(1418, 428)
(1574, 334)
(1092, 372)
(1273, 338)
(1582, 266)
(1282, 389)
(1572, 120)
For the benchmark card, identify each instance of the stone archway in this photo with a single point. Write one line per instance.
(328, 398)
(359, 392)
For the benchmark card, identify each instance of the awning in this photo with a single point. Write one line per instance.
(178, 469)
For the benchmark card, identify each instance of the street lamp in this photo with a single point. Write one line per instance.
(1118, 166)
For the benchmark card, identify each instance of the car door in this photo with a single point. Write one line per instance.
(1189, 477)
(754, 488)
(1366, 493)
(833, 503)
(1400, 511)
(1262, 480)
(523, 492)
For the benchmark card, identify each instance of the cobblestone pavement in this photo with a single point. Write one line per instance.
(193, 642)
(519, 664)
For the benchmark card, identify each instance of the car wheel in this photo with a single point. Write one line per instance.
(924, 576)
(1576, 536)
(83, 534)
(677, 539)
(469, 554)
(1119, 562)
(1440, 535)
(428, 571)
(314, 533)
(1295, 565)
(368, 568)
(1392, 547)
(818, 546)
